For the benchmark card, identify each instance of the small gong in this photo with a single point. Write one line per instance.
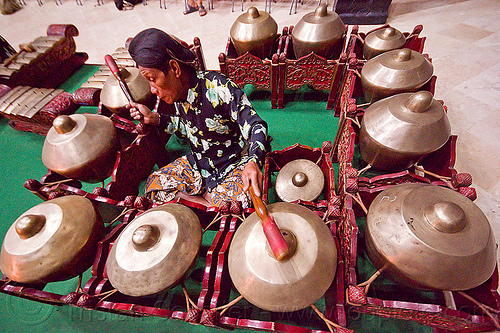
(300, 179)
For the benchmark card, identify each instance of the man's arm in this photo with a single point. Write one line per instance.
(254, 131)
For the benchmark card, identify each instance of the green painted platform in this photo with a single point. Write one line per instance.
(304, 120)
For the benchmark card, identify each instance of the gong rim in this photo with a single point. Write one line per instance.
(393, 125)
(157, 266)
(289, 285)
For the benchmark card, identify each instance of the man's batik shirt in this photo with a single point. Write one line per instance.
(223, 129)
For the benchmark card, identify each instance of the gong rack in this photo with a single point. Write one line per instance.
(208, 285)
(395, 303)
(249, 69)
(357, 191)
(51, 62)
(33, 109)
(439, 163)
(274, 161)
(312, 69)
(209, 281)
(283, 71)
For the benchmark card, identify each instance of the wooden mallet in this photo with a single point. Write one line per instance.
(23, 48)
(273, 234)
(116, 73)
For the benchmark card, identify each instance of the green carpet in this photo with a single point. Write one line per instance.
(304, 120)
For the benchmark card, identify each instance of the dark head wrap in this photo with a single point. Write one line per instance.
(153, 48)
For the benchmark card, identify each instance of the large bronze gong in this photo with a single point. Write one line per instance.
(318, 32)
(398, 131)
(255, 32)
(155, 250)
(431, 237)
(394, 72)
(81, 146)
(291, 284)
(300, 179)
(53, 241)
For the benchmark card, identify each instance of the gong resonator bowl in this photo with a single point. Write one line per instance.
(294, 283)
(112, 96)
(398, 131)
(155, 250)
(382, 40)
(254, 32)
(319, 32)
(430, 237)
(300, 179)
(394, 72)
(81, 146)
(53, 241)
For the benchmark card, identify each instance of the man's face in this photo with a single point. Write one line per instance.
(166, 86)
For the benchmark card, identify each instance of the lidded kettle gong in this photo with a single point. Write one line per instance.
(398, 131)
(112, 96)
(394, 72)
(431, 237)
(254, 32)
(319, 32)
(382, 40)
(81, 146)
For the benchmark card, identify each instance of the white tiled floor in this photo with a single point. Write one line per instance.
(463, 39)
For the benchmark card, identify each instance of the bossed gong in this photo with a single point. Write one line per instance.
(291, 284)
(394, 72)
(53, 241)
(382, 40)
(432, 237)
(112, 96)
(400, 130)
(254, 32)
(319, 32)
(155, 250)
(300, 179)
(81, 146)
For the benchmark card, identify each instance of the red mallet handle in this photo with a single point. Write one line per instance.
(116, 73)
(113, 67)
(271, 231)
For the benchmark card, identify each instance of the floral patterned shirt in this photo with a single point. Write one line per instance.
(223, 129)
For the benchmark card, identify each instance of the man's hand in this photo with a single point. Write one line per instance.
(143, 113)
(252, 174)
